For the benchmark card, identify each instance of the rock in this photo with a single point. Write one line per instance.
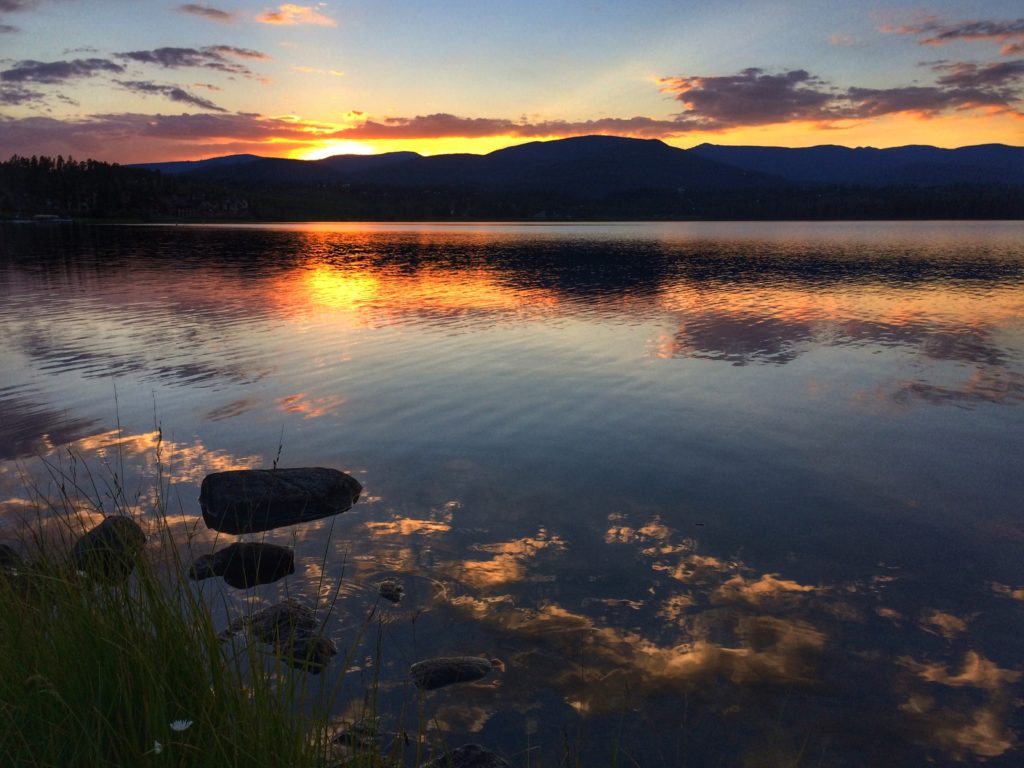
(392, 590)
(468, 756)
(309, 652)
(251, 500)
(245, 564)
(437, 673)
(292, 629)
(110, 549)
(268, 624)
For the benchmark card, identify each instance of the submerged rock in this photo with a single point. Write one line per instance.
(392, 590)
(251, 500)
(245, 564)
(309, 652)
(110, 549)
(437, 673)
(468, 756)
(268, 624)
(291, 628)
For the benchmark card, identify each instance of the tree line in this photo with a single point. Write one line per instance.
(91, 189)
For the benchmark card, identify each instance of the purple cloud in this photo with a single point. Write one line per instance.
(965, 74)
(752, 97)
(17, 95)
(207, 12)
(932, 31)
(927, 100)
(172, 92)
(57, 71)
(217, 57)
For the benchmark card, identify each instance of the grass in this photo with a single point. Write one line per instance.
(94, 673)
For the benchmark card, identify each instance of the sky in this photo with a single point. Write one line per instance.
(145, 80)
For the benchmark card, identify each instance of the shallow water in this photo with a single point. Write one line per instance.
(737, 493)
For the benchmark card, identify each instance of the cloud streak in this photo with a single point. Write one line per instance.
(18, 95)
(172, 92)
(57, 71)
(222, 58)
(290, 14)
(962, 74)
(207, 12)
(931, 30)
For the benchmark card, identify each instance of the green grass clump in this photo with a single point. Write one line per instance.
(94, 674)
(98, 673)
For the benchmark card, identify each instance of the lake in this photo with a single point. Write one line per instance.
(713, 493)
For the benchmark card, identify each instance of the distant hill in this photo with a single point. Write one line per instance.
(867, 166)
(586, 178)
(599, 166)
(187, 166)
(591, 166)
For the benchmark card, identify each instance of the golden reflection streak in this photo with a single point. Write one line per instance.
(508, 564)
(310, 408)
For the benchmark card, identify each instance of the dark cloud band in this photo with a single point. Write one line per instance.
(58, 71)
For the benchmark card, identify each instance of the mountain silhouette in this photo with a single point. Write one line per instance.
(867, 166)
(599, 166)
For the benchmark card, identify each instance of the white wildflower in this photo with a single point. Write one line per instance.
(181, 725)
(157, 748)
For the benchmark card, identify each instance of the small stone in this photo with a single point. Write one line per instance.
(468, 756)
(110, 549)
(436, 673)
(252, 500)
(244, 564)
(392, 590)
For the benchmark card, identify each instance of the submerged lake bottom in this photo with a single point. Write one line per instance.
(705, 493)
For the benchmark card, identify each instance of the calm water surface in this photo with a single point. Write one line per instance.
(715, 494)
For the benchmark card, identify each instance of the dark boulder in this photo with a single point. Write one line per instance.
(468, 756)
(109, 550)
(246, 564)
(437, 673)
(250, 500)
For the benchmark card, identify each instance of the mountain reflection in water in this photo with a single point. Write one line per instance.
(713, 493)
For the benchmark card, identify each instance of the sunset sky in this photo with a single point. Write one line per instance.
(132, 81)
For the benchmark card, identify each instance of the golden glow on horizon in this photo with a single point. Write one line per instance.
(331, 148)
(949, 131)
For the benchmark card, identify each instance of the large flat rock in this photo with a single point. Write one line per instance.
(252, 500)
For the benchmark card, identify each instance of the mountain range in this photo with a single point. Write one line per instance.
(593, 167)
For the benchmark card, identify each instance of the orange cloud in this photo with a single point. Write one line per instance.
(290, 14)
